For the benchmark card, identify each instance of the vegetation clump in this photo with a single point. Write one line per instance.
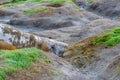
(17, 0)
(30, 11)
(34, 10)
(90, 1)
(110, 38)
(53, 2)
(17, 59)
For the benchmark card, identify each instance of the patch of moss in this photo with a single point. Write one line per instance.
(17, 0)
(34, 10)
(2, 75)
(30, 11)
(10, 4)
(34, 0)
(17, 59)
(44, 9)
(90, 1)
(53, 2)
(110, 38)
(58, 2)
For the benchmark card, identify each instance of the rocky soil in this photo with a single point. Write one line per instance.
(106, 8)
(4, 1)
(76, 26)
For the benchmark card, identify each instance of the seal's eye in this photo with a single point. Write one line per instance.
(53, 47)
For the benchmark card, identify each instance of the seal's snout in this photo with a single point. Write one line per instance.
(58, 48)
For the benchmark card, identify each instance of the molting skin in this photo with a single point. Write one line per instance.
(6, 46)
(20, 39)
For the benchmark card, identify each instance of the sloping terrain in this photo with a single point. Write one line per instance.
(88, 26)
(98, 62)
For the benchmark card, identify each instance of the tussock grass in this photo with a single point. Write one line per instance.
(90, 1)
(34, 10)
(52, 2)
(57, 1)
(17, 59)
(110, 38)
(30, 11)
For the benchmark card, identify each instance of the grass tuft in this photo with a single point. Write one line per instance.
(30, 11)
(34, 10)
(90, 1)
(17, 59)
(53, 2)
(110, 38)
(2, 75)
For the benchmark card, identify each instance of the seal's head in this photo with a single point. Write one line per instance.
(57, 48)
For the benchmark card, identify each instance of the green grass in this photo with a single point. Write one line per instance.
(30, 11)
(53, 2)
(2, 75)
(34, 10)
(40, 1)
(90, 1)
(34, 0)
(17, 0)
(17, 59)
(110, 38)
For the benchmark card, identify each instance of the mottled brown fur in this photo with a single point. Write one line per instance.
(6, 46)
(32, 40)
(44, 46)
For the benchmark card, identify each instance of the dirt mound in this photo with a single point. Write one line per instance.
(75, 33)
(38, 16)
(98, 62)
(65, 22)
(44, 17)
(95, 27)
(81, 53)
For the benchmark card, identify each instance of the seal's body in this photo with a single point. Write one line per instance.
(20, 39)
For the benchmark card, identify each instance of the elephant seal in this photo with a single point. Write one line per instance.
(20, 39)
